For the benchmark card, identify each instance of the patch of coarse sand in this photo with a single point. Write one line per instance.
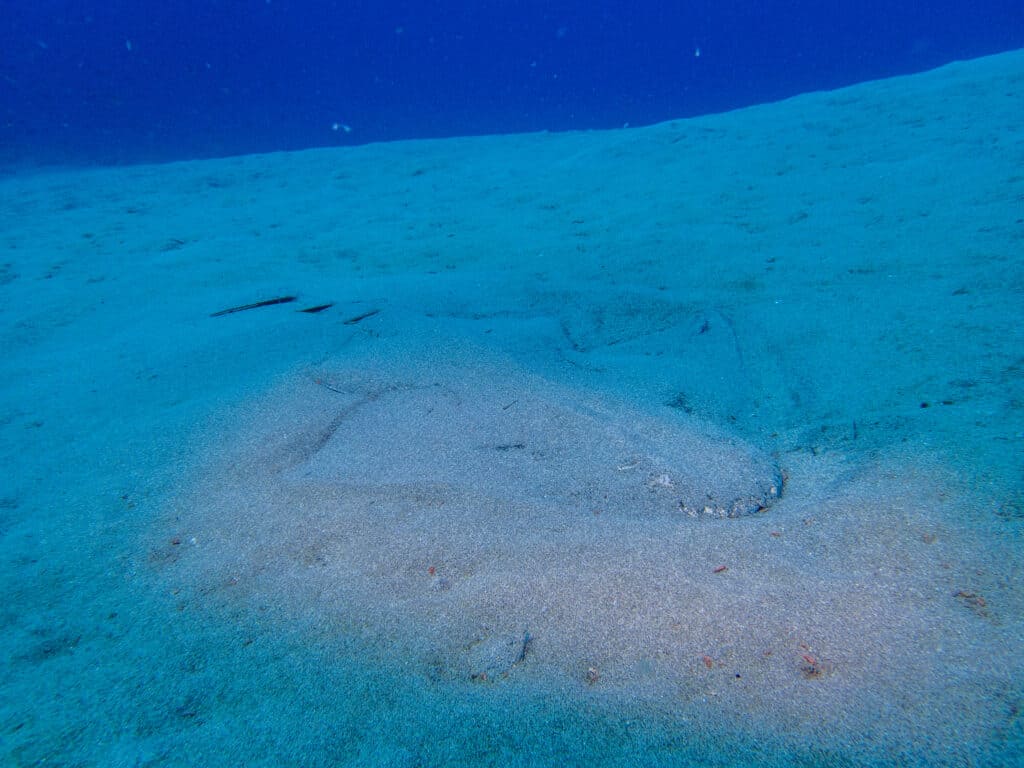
(483, 526)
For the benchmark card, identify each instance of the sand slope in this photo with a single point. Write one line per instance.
(218, 530)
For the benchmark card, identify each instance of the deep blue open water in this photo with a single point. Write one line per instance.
(122, 81)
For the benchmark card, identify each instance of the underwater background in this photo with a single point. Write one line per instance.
(124, 81)
(511, 384)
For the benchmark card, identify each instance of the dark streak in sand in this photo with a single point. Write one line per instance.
(256, 305)
(359, 318)
(317, 308)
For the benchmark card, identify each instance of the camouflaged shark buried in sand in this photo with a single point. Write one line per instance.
(434, 466)
(526, 440)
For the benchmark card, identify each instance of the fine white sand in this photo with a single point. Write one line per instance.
(690, 444)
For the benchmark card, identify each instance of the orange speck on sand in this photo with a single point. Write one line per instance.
(810, 659)
(721, 569)
(431, 570)
(708, 661)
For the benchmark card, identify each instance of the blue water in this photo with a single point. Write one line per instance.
(122, 82)
(254, 507)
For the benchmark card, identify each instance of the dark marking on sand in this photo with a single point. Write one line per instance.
(974, 601)
(173, 244)
(331, 387)
(510, 447)
(1012, 509)
(567, 333)
(317, 308)
(524, 648)
(51, 646)
(307, 446)
(680, 402)
(813, 668)
(256, 305)
(360, 318)
(190, 708)
(315, 442)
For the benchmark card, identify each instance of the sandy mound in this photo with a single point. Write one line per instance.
(483, 526)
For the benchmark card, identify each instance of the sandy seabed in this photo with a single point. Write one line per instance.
(695, 444)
